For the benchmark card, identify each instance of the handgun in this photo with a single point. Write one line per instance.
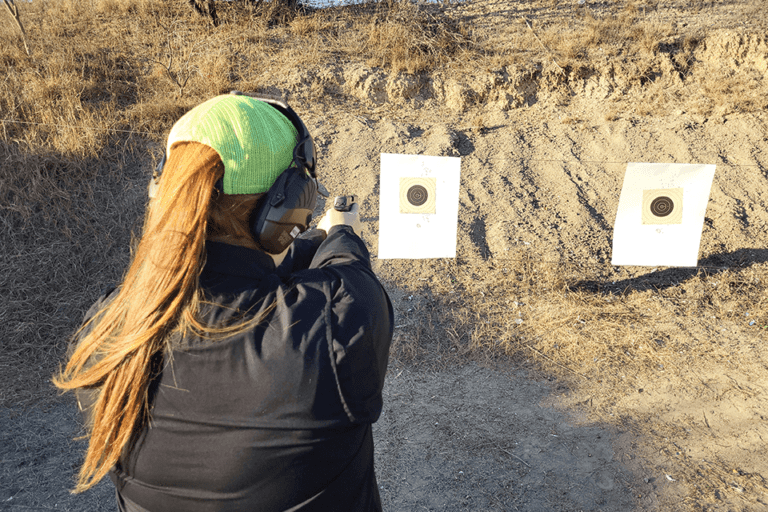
(343, 203)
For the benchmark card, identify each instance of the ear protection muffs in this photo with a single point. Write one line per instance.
(286, 209)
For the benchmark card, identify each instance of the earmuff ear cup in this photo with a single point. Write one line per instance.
(285, 211)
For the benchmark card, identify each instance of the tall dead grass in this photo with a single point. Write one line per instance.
(410, 38)
(596, 37)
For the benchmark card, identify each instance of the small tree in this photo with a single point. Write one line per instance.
(206, 8)
(278, 9)
(14, 11)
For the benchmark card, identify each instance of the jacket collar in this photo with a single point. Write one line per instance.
(235, 260)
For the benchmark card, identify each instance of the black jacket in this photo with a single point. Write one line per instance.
(277, 417)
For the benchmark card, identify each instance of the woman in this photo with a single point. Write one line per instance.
(236, 368)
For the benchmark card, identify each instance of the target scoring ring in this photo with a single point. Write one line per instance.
(662, 206)
(417, 195)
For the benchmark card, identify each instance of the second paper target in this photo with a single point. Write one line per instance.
(660, 214)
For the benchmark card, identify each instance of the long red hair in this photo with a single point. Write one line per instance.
(117, 349)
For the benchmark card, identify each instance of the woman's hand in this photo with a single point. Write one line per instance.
(334, 217)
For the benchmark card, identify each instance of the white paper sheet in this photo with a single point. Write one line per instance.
(418, 206)
(661, 213)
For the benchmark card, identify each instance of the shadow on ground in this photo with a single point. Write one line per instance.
(671, 277)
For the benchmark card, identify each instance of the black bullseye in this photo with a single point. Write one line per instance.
(662, 206)
(417, 195)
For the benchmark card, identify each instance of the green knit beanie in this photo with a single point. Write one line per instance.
(254, 140)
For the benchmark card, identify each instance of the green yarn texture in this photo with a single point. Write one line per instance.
(254, 140)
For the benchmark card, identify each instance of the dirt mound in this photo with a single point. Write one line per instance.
(682, 68)
(734, 50)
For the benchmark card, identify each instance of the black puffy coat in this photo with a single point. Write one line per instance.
(277, 417)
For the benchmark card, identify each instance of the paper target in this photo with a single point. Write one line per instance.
(663, 206)
(417, 195)
(418, 206)
(660, 214)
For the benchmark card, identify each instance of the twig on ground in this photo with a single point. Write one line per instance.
(512, 454)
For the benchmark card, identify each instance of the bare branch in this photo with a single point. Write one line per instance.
(14, 11)
(180, 76)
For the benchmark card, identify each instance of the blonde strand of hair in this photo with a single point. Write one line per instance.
(159, 290)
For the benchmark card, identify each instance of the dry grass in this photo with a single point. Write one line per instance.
(413, 40)
(106, 78)
(580, 325)
(86, 111)
(595, 37)
(65, 234)
(103, 65)
(103, 82)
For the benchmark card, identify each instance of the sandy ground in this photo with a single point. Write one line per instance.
(535, 173)
(471, 438)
